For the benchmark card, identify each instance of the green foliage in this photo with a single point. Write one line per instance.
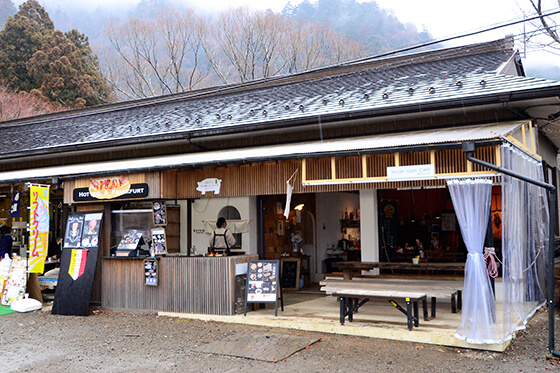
(7, 9)
(365, 22)
(36, 58)
(66, 73)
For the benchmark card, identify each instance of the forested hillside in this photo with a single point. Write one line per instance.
(378, 30)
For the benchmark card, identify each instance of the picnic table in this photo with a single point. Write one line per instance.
(348, 267)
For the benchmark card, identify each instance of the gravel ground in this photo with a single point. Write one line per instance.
(123, 342)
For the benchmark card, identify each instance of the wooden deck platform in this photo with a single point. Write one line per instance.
(320, 313)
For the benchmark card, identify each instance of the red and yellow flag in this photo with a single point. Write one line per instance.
(77, 263)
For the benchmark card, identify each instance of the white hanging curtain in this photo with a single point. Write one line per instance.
(524, 240)
(471, 200)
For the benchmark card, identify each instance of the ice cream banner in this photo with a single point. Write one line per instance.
(38, 227)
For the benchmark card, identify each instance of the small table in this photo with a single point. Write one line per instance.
(348, 267)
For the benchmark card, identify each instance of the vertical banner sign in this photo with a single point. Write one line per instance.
(38, 227)
(14, 207)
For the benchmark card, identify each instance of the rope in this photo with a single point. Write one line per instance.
(490, 260)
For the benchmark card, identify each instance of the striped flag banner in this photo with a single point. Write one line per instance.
(77, 263)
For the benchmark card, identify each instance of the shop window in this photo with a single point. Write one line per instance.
(231, 213)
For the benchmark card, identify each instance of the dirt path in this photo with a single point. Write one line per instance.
(114, 342)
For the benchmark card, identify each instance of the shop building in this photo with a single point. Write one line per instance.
(368, 148)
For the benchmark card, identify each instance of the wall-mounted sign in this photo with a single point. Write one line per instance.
(160, 213)
(159, 241)
(209, 185)
(150, 272)
(83, 230)
(134, 191)
(423, 171)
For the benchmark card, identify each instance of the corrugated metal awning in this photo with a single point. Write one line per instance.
(358, 145)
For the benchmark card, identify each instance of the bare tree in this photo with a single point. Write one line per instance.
(179, 51)
(155, 56)
(547, 25)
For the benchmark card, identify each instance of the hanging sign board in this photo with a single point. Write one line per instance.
(151, 272)
(160, 213)
(423, 171)
(159, 241)
(262, 283)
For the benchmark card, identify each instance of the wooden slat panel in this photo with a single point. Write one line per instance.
(186, 285)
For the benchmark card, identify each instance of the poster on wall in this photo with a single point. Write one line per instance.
(150, 272)
(159, 241)
(83, 230)
(39, 221)
(448, 222)
(263, 283)
(160, 213)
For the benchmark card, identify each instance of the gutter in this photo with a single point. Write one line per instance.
(469, 148)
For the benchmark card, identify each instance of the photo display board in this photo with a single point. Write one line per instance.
(160, 213)
(263, 282)
(130, 241)
(151, 272)
(82, 230)
(159, 241)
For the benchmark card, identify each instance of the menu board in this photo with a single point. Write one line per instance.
(290, 273)
(130, 241)
(150, 272)
(160, 213)
(82, 230)
(262, 282)
(158, 241)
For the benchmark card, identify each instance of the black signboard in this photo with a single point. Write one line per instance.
(135, 191)
(82, 230)
(290, 273)
(151, 272)
(160, 213)
(131, 241)
(77, 265)
(263, 283)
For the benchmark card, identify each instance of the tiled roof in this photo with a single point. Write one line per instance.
(405, 81)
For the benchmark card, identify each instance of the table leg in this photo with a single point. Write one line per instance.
(342, 310)
(415, 307)
(408, 314)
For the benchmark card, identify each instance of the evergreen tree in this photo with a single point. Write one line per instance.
(60, 68)
(66, 72)
(23, 35)
(7, 9)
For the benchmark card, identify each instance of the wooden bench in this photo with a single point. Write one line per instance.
(350, 300)
(433, 290)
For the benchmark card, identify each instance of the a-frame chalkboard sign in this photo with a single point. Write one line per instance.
(263, 283)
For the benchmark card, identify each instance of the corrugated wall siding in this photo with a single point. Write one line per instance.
(185, 285)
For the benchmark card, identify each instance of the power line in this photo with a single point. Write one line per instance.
(438, 41)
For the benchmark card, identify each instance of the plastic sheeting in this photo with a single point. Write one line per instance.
(471, 199)
(524, 240)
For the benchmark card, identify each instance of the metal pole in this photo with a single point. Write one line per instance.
(469, 148)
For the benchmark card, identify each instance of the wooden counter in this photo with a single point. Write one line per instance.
(204, 285)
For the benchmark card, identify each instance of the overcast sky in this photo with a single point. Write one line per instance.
(442, 18)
